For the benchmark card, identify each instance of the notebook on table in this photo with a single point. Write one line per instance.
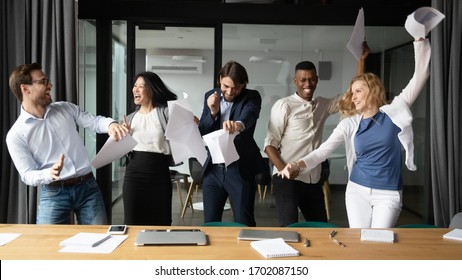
(274, 248)
(257, 234)
(377, 235)
(171, 237)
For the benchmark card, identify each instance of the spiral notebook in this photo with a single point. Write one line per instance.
(377, 235)
(274, 248)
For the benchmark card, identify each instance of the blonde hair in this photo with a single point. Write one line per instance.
(375, 97)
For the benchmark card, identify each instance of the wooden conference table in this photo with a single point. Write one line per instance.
(42, 242)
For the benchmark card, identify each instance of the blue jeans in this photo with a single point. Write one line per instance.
(84, 199)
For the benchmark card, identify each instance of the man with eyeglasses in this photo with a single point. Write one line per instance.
(295, 129)
(48, 151)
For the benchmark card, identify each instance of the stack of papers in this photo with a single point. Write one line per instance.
(89, 242)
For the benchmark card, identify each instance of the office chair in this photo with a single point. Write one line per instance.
(195, 170)
(417, 226)
(176, 178)
(456, 221)
(264, 179)
(313, 224)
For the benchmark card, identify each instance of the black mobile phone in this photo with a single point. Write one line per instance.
(117, 229)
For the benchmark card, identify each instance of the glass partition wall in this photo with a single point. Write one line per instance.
(184, 58)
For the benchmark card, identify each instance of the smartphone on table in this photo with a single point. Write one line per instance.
(117, 229)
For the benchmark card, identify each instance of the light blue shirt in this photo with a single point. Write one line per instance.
(225, 108)
(36, 144)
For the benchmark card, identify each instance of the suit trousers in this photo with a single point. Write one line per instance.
(293, 195)
(221, 182)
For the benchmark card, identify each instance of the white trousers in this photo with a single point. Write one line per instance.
(372, 208)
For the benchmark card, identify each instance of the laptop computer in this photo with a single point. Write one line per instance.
(256, 234)
(171, 237)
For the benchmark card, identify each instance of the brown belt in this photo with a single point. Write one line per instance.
(72, 181)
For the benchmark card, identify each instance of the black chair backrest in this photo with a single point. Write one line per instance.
(265, 177)
(195, 170)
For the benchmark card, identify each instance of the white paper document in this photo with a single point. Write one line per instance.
(106, 247)
(85, 239)
(221, 146)
(183, 133)
(355, 44)
(113, 150)
(455, 234)
(8, 237)
(422, 21)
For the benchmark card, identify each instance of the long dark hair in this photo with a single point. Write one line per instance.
(157, 89)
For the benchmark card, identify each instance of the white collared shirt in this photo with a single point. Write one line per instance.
(295, 128)
(36, 144)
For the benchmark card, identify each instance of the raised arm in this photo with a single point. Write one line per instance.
(422, 53)
(360, 67)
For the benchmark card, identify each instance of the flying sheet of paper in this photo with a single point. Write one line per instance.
(221, 146)
(357, 36)
(113, 150)
(183, 133)
(422, 21)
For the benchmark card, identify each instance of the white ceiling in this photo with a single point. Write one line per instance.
(270, 38)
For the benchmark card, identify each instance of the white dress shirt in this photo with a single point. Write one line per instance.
(295, 128)
(36, 144)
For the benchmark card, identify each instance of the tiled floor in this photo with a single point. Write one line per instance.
(265, 211)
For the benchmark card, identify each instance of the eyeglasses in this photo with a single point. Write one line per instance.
(44, 81)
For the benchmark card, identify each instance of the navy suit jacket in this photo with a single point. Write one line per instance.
(246, 108)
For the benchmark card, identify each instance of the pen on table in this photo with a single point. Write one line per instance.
(306, 243)
(338, 242)
(332, 234)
